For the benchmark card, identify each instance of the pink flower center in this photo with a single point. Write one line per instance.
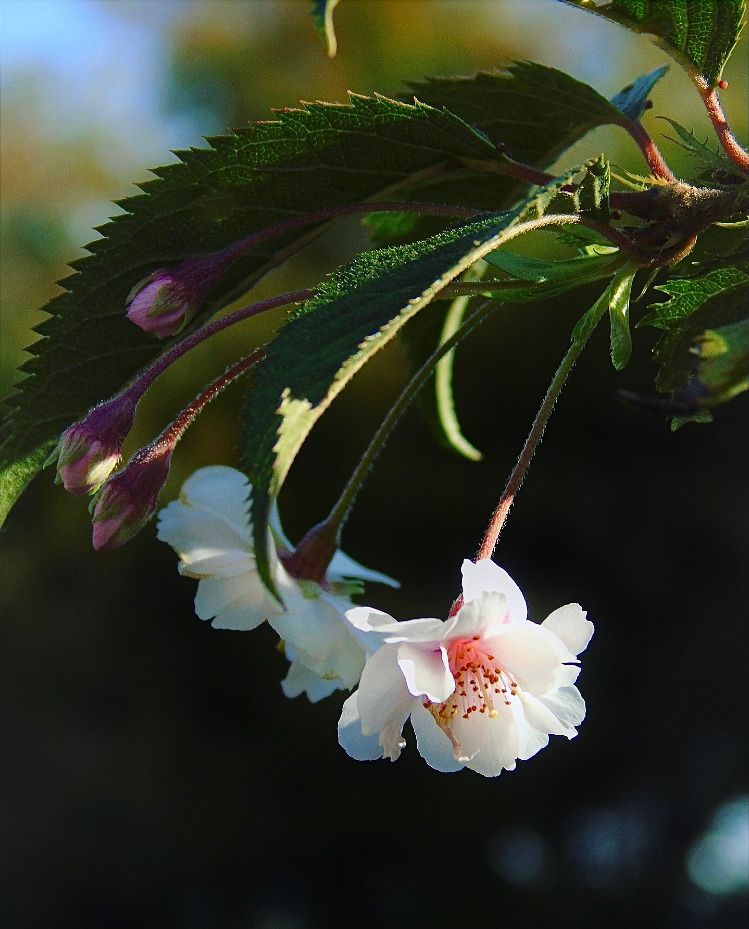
(479, 683)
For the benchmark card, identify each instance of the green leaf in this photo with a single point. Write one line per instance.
(555, 276)
(699, 34)
(16, 475)
(632, 100)
(723, 368)
(322, 13)
(703, 416)
(621, 338)
(534, 110)
(329, 338)
(676, 350)
(447, 416)
(592, 194)
(304, 160)
(688, 294)
(709, 157)
(615, 300)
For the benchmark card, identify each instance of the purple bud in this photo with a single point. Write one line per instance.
(89, 450)
(128, 500)
(162, 304)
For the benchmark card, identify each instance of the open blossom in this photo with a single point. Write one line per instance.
(209, 528)
(482, 689)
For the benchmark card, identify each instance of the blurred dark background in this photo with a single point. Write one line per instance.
(153, 774)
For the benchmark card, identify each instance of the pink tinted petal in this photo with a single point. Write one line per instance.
(485, 576)
(350, 737)
(569, 624)
(426, 671)
(383, 694)
(433, 745)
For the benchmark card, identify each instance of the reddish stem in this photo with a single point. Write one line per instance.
(141, 384)
(656, 161)
(176, 429)
(738, 155)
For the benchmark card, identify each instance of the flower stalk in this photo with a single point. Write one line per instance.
(127, 501)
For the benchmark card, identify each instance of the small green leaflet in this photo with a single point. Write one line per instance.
(708, 156)
(329, 338)
(699, 34)
(322, 13)
(675, 351)
(723, 367)
(688, 294)
(303, 160)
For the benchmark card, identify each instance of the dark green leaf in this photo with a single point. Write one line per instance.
(688, 294)
(676, 355)
(699, 34)
(632, 100)
(534, 110)
(304, 160)
(15, 476)
(723, 367)
(328, 339)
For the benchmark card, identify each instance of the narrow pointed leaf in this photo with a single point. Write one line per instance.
(621, 338)
(328, 339)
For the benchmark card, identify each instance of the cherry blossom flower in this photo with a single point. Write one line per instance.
(210, 530)
(483, 689)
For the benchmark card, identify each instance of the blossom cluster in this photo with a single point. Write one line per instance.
(482, 689)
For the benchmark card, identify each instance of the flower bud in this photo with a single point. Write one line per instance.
(128, 500)
(89, 450)
(162, 304)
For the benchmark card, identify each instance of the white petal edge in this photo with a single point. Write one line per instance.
(426, 671)
(433, 745)
(569, 624)
(485, 576)
(350, 737)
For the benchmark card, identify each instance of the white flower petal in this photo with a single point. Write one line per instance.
(498, 742)
(383, 695)
(569, 624)
(540, 717)
(222, 491)
(530, 655)
(426, 671)
(350, 737)
(365, 623)
(567, 705)
(483, 616)
(192, 532)
(433, 745)
(485, 576)
(342, 566)
(235, 602)
(533, 742)
(301, 680)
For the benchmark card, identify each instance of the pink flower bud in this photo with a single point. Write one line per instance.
(89, 450)
(128, 500)
(162, 304)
